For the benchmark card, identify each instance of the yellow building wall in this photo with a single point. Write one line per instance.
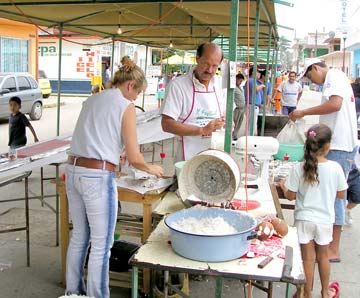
(15, 29)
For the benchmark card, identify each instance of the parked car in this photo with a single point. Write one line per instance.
(26, 88)
(44, 84)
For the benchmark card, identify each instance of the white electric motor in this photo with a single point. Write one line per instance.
(262, 148)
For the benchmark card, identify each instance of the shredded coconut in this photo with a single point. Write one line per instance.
(204, 226)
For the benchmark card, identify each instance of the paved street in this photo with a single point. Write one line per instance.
(70, 107)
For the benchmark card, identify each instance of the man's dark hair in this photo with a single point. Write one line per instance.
(15, 99)
(201, 48)
(240, 76)
(321, 64)
(262, 73)
(251, 70)
(292, 72)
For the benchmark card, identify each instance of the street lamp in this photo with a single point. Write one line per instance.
(343, 64)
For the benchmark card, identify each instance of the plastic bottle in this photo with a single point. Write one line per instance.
(12, 153)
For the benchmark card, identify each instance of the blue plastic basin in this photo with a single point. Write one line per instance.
(212, 248)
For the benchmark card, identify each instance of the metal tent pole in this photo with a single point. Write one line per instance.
(59, 81)
(112, 55)
(146, 59)
(253, 95)
(266, 82)
(232, 57)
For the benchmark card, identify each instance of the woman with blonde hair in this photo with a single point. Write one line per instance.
(106, 126)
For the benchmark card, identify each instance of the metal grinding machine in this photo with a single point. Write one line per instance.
(214, 176)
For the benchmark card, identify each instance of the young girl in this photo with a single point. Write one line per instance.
(106, 125)
(315, 184)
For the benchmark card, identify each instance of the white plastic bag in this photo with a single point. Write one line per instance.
(292, 133)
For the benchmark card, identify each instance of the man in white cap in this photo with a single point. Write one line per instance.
(337, 110)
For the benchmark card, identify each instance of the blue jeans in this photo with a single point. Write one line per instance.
(343, 158)
(286, 110)
(253, 117)
(92, 197)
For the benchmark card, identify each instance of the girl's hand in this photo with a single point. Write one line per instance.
(282, 185)
(156, 170)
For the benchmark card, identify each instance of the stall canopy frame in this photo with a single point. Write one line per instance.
(187, 23)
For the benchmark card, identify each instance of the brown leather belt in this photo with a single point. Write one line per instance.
(91, 163)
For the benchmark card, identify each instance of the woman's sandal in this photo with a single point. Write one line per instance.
(336, 289)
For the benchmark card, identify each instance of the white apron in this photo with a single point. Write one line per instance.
(204, 108)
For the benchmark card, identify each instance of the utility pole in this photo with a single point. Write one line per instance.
(344, 53)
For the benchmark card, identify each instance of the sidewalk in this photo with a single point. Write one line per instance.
(150, 101)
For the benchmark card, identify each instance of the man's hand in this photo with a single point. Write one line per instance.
(296, 114)
(213, 125)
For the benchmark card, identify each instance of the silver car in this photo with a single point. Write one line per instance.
(26, 88)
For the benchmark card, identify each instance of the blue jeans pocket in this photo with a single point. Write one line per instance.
(91, 187)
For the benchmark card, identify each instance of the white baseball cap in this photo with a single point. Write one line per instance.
(308, 63)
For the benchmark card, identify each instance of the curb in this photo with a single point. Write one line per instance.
(52, 105)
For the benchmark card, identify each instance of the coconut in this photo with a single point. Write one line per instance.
(265, 230)
(280, 226)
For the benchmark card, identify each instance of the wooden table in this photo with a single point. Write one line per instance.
(268, 206)
(124, 195)
(158, 254)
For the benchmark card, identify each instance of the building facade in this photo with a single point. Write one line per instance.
(18, 47)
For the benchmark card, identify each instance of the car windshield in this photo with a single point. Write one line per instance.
(42, 74)
(1, 78)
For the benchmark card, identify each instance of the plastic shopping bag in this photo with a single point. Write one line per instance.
(292, 133)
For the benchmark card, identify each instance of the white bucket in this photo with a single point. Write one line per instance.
(212, 176)
(218, 140)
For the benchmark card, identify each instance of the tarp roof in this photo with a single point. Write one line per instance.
(176, 59)
(187, 23)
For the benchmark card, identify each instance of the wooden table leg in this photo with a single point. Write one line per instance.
(64, 228)
(300, 291)
(147, 225)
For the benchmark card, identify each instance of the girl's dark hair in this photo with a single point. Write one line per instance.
(316, 138)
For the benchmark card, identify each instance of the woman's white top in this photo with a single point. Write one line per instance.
(97, 132)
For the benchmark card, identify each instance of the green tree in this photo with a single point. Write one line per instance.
(285, 54)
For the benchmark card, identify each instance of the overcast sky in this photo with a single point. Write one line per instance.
(311, 15)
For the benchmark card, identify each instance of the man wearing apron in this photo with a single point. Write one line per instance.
(193, 106)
